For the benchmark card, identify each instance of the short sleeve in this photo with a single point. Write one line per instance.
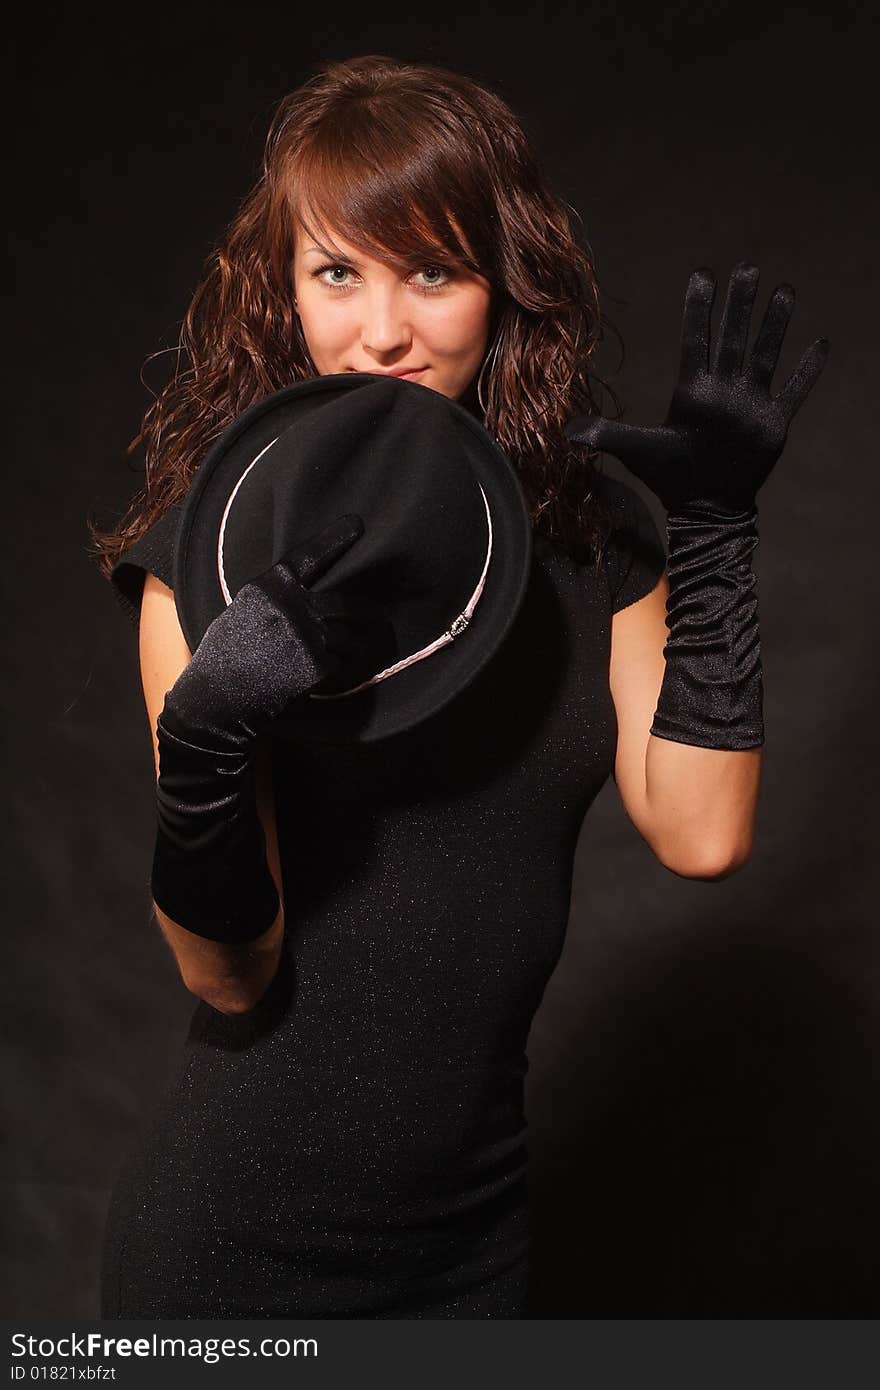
(153, 552)
(634, 556)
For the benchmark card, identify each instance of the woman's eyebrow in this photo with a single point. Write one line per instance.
(333, 254)
(319, 250)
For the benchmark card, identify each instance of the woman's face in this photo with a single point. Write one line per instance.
(359, 314)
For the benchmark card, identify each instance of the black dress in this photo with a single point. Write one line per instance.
(355, 1146)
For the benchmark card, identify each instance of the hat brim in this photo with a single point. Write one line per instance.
(412, 695)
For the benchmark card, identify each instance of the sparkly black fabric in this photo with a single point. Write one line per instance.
(355, 1146)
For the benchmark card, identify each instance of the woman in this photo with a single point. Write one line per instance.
(363, 1154)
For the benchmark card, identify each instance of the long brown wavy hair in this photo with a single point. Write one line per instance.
(402, 159)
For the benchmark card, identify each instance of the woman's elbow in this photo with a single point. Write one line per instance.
(238, 990)
(231, 977)
(226, 997)
(705, 859)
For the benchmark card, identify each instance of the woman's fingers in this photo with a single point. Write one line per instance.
(311, 558)
(625, 442)
(607, 436)
(733, 332)
(696, 321)
(355, 626)
(803, 378)
(585, 429)
(768, 344)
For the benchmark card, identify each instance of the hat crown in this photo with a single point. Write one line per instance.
(446, 547)
(399, 461)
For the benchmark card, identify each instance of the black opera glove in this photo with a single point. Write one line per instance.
(721, 437)
(275, 641)
(723, 431)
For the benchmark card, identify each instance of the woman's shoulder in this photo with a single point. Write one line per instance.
(631, 554)
(153, 553)
(625, 505)
(634, 556)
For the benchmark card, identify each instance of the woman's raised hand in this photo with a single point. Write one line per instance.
(723, 431)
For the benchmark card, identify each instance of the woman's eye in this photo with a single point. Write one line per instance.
(437, 276)
(339, 277)
(336, 276)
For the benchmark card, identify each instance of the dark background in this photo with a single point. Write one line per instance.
(703, 1097)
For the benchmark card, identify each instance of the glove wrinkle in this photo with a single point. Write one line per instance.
(209, 871)
(269, 646)
(722, 436)
(712, 690)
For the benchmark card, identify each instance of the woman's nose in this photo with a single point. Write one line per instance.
(384, 328)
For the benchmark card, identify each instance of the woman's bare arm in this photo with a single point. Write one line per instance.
(230, 977)
(694, 806)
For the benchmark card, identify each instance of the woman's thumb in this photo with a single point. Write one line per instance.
(606, 436)
(311, 558)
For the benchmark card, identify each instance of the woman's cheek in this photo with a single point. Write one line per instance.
(458, 329)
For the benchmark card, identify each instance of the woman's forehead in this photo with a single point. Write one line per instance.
(322, 234)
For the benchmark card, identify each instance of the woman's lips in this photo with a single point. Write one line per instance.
(408, 372)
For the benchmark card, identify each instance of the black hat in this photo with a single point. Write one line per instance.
(445, 554)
